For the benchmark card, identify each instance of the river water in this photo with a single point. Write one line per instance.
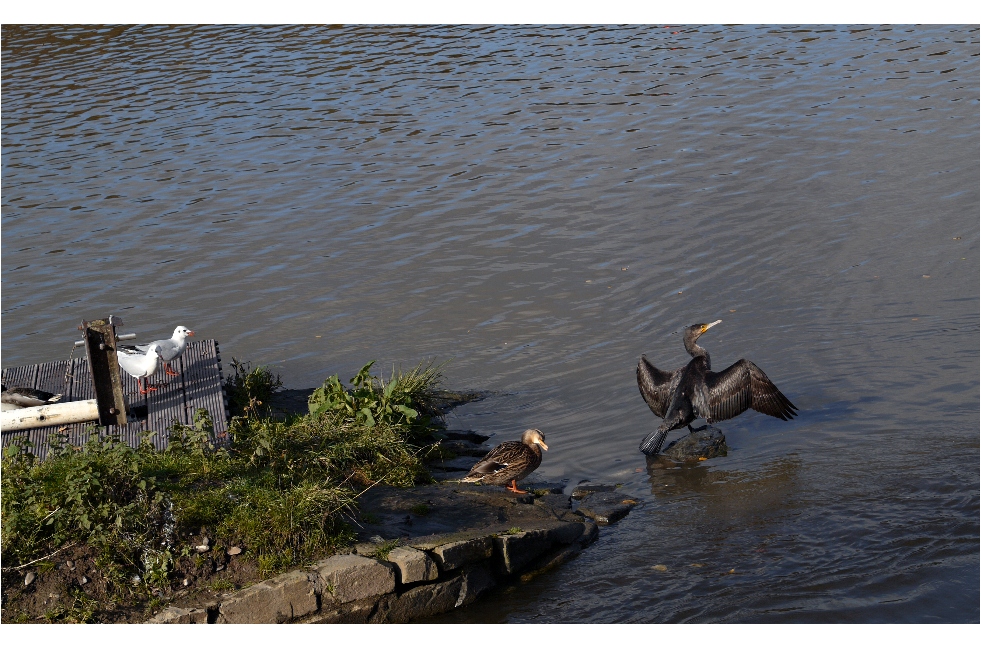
(539, 206)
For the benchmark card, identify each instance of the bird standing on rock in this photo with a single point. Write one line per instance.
(170, 349)
(509, 462)
(694, 391)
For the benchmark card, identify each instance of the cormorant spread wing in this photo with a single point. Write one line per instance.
(740, 387)
(655, 386)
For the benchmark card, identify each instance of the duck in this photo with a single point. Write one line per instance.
(139, 365)
(19, 397)
(170, 349)
(509, 462)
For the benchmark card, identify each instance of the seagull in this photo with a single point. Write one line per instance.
(170, 349)
(139, 365)
(19, 397)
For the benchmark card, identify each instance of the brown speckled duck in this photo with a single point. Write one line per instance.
(510, 461)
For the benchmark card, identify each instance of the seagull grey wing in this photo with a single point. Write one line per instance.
(655, 386)
(740, 387)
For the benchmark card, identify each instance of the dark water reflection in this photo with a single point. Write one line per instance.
(541, 205)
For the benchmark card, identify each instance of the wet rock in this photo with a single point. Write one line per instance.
(413, 565)
(544, 488)
(351, 577)
(606, 507)
(464, 448)
(696, 446)
(477, 579)
(276, 600)
(458, 464)
(29, 578)
(466, 435)
(584, 489)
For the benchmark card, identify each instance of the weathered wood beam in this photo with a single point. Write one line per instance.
(100, 346)
(55, 414)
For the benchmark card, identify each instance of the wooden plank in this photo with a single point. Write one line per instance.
(203, 384)
(166, 405)
(23, 377)
(20, 376)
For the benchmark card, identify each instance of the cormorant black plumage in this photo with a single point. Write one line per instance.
(695, 391)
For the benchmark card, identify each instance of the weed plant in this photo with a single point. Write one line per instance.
(281, 489)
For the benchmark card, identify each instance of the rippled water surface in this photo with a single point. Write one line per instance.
(540, 206)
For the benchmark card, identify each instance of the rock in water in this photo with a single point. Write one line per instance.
(703, 444)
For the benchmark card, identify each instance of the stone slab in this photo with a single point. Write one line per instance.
(276, 600)
(351, 577)
(454, 555)
(413, 565)
(181, 615)
(421, 601)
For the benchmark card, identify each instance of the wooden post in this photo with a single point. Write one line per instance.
(100, 346)
(27, 418)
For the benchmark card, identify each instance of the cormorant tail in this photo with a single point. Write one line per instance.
(651, 444)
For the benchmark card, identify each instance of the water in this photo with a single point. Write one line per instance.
(539, 206)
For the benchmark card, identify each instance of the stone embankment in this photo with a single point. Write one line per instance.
(426, 550)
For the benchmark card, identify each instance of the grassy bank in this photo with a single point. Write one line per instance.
(125, 528)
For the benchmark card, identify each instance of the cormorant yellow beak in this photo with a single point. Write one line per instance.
(706, 327)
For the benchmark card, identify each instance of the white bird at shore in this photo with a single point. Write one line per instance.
(170, 349)
(139, 365)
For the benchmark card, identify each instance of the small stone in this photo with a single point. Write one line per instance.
(377, 538)
(219, 568)
(84, 580)
(661, 568)
(206, 541)
(202, 548)
(234, 551)
(186, 582)
(70, 564)
(29, 578)
(135, 579)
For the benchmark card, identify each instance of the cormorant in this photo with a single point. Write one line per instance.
(694, 391)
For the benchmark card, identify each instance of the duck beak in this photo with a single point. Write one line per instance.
(542, 444)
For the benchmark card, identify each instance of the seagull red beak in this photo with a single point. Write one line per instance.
(190, 332)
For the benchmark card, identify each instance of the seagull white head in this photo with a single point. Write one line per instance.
(182, 332)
